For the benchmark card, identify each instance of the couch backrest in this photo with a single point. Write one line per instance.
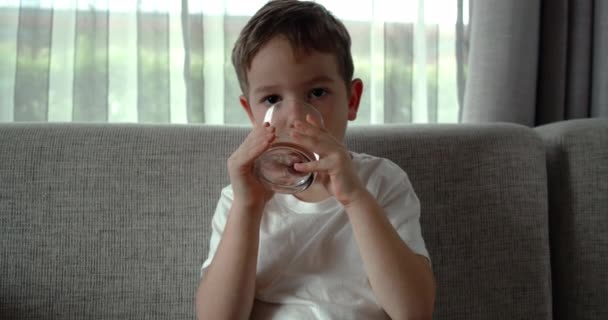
(106, 221)
(113, 221)
(483, 195)
(577, 162)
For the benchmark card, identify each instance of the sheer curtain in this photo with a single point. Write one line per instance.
(153, 61)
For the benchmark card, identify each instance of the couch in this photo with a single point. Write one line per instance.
(112, 221)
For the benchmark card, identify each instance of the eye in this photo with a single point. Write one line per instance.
(317, 93)
(271, 99)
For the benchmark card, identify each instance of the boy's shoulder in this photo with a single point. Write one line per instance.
(372, 167)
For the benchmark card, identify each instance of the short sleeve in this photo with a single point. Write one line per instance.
(217, 225)
(397, 197)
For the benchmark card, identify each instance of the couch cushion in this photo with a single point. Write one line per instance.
(577, 160)
(483, 194)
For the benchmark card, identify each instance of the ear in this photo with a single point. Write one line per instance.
(247, 108)
(356, 90)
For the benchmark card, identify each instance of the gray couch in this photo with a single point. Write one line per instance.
(113, 221)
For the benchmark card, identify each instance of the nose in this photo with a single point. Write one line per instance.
(295, 110)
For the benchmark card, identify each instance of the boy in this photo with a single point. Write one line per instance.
(350, 246)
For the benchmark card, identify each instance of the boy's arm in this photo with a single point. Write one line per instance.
(401, 280)
(227, 288)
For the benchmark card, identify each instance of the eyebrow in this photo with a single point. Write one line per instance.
(317, 79)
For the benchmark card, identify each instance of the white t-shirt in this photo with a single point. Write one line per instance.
(309, 266)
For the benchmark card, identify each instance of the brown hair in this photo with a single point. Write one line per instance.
(306, 25)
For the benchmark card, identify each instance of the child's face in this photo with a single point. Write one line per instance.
(313, 77)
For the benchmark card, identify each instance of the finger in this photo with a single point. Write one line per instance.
(260, 144)
(308, 131)
(313, 166)
(318, 142)
(255, 144)
(264, 127)
(260, 133)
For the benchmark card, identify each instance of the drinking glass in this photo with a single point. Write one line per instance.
(275, 167)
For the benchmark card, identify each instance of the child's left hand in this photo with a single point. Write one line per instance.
(334, 167)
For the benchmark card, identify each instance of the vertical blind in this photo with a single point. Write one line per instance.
(153, 61)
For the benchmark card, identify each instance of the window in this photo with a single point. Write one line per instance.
(133, 61)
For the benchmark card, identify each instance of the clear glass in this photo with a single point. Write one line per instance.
(275, 167)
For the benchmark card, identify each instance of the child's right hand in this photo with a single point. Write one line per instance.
(248, 190)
